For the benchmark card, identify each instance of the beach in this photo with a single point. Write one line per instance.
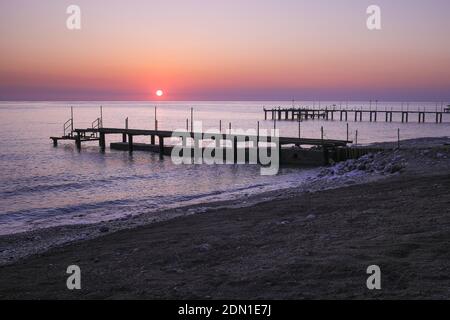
(291, 244)
(247, 151)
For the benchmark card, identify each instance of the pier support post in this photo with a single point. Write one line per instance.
(55, 141)
(102, 141)
(235, 154)
(265, 114)
(257, 135)
(347, 132)
(161, 146)
(124, 135)
(130, 143)
(247, 148)
(78, 141)
(152, 139)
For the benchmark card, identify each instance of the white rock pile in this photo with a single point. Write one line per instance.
(384, 163)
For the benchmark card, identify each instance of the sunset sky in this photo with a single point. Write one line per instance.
(225, 50)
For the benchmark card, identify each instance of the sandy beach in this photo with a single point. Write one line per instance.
(232, 152)
(390, 209)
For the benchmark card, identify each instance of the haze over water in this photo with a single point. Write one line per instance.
(44, 186)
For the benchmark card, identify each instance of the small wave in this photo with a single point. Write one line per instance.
(85, 184)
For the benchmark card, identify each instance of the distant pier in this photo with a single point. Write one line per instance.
(333, 113)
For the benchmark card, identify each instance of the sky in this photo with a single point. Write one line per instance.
(225, 50)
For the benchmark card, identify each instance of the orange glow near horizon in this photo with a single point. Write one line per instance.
(224, 50)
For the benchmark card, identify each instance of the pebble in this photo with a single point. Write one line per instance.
(204, 247)
(104, 229)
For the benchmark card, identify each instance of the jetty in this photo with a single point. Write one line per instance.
(292, 150)
(361, 114)
(322, 150)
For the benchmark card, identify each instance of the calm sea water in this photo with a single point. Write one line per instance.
(42, 186)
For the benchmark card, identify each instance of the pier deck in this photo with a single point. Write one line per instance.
(203, 136)
(319, 155)
(73, 138)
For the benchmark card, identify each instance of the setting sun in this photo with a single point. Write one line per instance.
(159, 93)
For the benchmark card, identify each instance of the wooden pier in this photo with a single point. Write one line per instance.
(292, 150)
(325, 149)
(128, 134)
(333, 113)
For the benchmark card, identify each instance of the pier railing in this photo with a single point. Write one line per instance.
(96, 124)
(68, 128)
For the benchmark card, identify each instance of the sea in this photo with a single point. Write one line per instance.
(42, 186)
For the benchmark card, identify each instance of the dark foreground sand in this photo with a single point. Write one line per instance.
(316, 245)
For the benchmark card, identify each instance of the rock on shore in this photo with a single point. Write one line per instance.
(384, 163)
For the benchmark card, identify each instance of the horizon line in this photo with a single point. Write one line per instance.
(234, 100)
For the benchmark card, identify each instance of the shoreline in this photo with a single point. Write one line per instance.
(29, 243)
(15, 247)
(315, 246)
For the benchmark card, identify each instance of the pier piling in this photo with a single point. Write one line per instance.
(130, 143)
(102, 142)
(161, 146)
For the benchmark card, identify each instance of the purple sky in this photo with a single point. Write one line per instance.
(225, 50)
